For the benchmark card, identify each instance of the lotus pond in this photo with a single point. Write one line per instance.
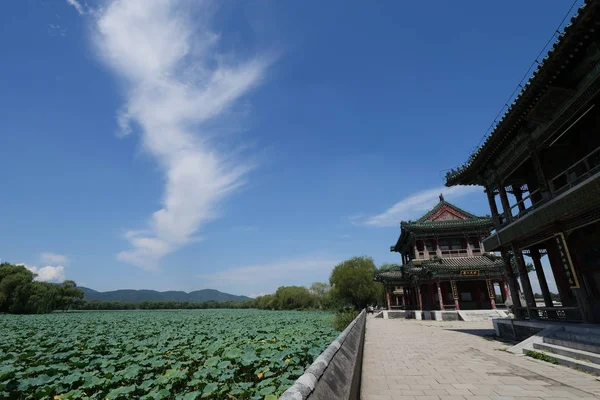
(189, 354)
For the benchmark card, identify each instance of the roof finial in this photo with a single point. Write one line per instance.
(441, 198)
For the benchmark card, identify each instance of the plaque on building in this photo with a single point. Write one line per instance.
(470, 272)
(454, 289)
(490, 287)
(565, 260)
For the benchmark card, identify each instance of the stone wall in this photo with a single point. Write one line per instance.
(518, 330)
(396, 314)
(335, 374)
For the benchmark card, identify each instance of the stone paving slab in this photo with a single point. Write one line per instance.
(437, 360)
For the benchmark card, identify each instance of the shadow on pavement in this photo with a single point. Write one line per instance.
(487, 334)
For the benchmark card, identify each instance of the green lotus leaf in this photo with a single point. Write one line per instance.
(192, 396)
(212, 362)
(210, 389)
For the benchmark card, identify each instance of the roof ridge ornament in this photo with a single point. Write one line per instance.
(441, 198)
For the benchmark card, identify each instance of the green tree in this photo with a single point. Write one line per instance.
(320, 293)
(20, 294)
(14, 287)
(388, 267)
(293, 298)
(70, 295)
(265, 302)
(352, 282)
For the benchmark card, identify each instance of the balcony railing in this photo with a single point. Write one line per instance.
(573, 175)
(576, 173)
(427, 255)
(455, 253)
(526, 209)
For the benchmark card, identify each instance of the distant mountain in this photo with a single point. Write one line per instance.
(137, 296)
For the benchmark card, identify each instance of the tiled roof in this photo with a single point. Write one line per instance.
(441, 204)
(425, 268)
(471, 223)
(390, 275)
(447, 224)
(542, 77)
(457, 263)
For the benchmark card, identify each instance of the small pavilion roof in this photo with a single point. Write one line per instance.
(451, 265)
(431, 223)
(458, 263)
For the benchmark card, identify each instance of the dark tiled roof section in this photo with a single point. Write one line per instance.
(447, 224)
(390, 275)
(458, 263)
(440, 205)
(424, 268)
(566, 43)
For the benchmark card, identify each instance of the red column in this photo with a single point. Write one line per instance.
(419, 297)
(454, 293)
(404, 298)
(387, 297)
(491, 293)
(504, 288)
(513, 285)
(439, 291)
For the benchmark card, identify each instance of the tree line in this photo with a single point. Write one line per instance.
(21, 294)
(350, 285)
(161, 305)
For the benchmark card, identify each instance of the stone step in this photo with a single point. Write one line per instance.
(573, 363)
(577, 337)
(568, 352)
(583, 328)
(585, 346)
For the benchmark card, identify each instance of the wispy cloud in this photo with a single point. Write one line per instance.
(175, 82)
(53, 258)
(77, 5)
(56, 30)
(417, 203)
(266, 278)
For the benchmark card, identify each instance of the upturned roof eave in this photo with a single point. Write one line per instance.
(469, 172)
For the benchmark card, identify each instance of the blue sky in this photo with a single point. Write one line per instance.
(242, 145)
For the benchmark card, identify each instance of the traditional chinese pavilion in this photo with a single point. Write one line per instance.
(541, 164)
(444, 266)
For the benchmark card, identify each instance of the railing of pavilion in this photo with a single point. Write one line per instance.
(569, 314)
(526, 209)
(454, 253)
(449, 253)
(573, 175)
(576, 173)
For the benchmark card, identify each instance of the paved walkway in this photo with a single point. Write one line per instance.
(422, 360)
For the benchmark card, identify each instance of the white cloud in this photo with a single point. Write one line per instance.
(77, 6)
(53, 258)
(175, 82)
(48, 273)
(266, 278)
(416, 204)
